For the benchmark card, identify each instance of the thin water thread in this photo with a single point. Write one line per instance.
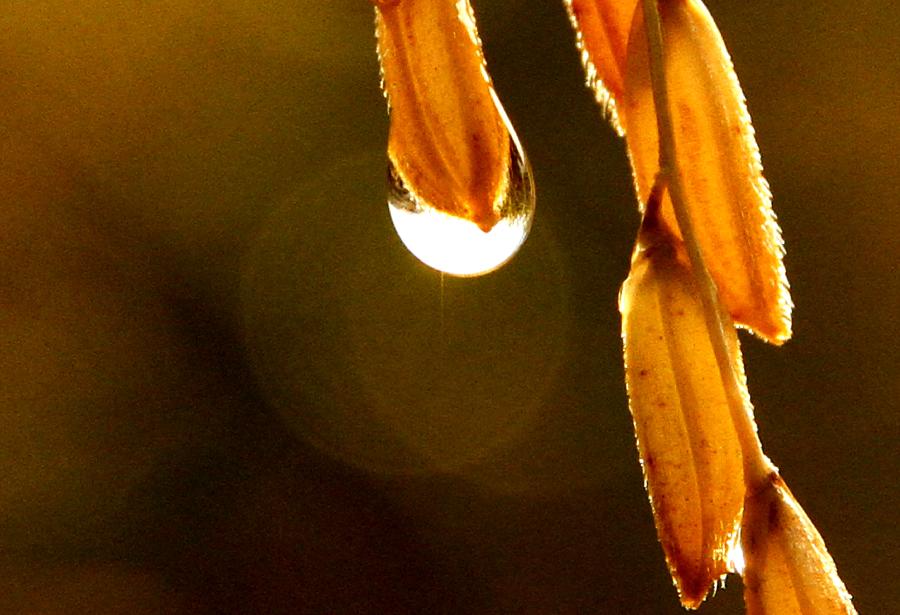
(442, 307)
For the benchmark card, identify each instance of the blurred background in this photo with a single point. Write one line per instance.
(226, 387)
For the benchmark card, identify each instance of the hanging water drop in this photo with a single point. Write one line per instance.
(458, 246)
(461, 195)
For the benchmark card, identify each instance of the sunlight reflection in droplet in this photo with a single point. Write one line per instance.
(457, 246)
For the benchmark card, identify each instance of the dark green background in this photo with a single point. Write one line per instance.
(225, 386)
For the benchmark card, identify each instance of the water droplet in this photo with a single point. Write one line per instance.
(458, 246)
